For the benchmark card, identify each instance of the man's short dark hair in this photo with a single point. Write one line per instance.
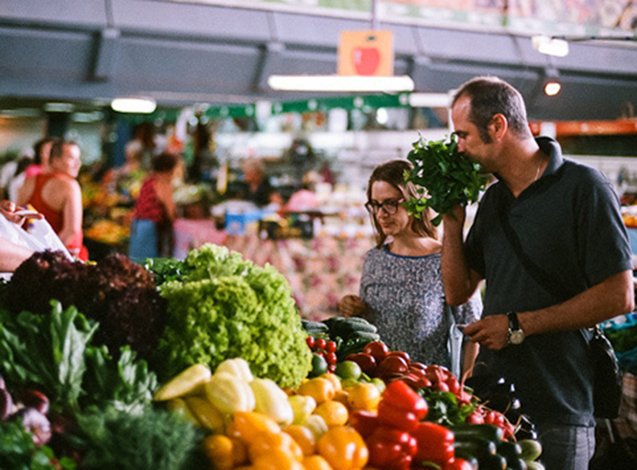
(490, 96)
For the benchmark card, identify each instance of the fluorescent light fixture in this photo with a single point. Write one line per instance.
(429, 100)
(345, 83)
(53, 107)
(550, 46)
(134, 105)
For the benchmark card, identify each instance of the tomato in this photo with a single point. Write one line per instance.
(366, 362)
(402, 354)
(331, 358)
(392, 365)
(320, 343)
(310, 341)
(330, 346)
(377, 349)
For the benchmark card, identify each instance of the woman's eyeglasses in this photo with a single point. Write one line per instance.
(389, 206)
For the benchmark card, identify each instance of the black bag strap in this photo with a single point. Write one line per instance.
(552, 286)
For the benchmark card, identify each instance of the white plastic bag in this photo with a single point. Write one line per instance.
(38, 236)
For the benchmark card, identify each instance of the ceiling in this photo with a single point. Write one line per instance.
(89, 51)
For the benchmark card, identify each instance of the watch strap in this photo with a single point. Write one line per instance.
(514, 323)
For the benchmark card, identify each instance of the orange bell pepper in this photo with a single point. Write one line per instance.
(343, 448)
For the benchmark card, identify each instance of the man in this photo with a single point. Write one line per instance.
(566, 219)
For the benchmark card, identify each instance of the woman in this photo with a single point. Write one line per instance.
(151, 230)
(401, 289)
(57, 195)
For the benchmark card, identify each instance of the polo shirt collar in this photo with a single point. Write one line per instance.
(551, 148)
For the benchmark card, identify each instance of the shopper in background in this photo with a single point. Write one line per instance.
(57, 195)
(256, 187)
(566, 217)
(154, 213)
(401, 289)
(41, 157)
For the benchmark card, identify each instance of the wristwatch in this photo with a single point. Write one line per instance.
(515, 334)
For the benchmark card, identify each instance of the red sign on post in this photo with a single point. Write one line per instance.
(366, 53)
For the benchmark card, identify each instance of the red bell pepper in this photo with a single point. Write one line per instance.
(435, 443)
(391, 448)
(400, 395)
(393, 416)
(365, 422)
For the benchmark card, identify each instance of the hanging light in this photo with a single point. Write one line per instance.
(552, 84)
(137, 105)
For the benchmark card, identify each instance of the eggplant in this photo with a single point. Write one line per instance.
(36, 423)
(6, 404)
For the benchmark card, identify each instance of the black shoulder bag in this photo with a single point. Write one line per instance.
(607, 384)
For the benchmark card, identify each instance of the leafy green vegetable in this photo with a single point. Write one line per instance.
(444, 407)
(125, 384)
(225, 306)
(53, 353)
(445, 177)
(47, 351)
(156, 439)
(18, 452)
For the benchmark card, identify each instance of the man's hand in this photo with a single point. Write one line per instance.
(351, 305)
(491, 332)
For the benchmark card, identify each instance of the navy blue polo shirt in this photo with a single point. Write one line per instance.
(568, 223)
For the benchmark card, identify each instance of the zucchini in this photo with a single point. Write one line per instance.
(484, 431)
(344, 327)
(531, 449)
(534, 466)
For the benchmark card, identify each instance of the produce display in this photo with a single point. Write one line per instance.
(236, 379)
(444, 177)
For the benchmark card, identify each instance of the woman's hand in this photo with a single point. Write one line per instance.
(9, 210)
(352, 305)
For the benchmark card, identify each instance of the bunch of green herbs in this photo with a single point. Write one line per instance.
(444, 177)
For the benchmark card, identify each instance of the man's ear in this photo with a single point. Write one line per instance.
(498, 126)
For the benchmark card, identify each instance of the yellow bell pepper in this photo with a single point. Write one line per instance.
(343, 448)
(333, 412)
(247, 424)
(230, 393)
(277, 459)
(316, 462)
(218, 449)
(303, 437)
(184, 382)
(206, 414)
(302, 407)
(179, 406)
(272, 401)
(318, 388)
(238, 367)
(264, 443)
(364, 396)
(317, 425)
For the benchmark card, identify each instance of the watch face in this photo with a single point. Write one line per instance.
(517, 336)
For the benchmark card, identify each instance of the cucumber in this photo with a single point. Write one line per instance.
(531, 449)
(314, 327)
(493, 462)
(510, 450)
(477, 447)
(484, 431)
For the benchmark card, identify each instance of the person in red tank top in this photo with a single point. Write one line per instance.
(151, 229)
(57, 195)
